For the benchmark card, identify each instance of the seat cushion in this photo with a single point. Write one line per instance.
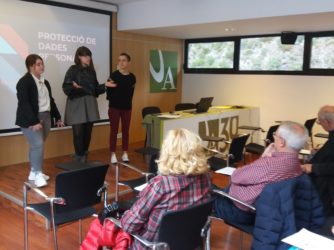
(64, 217)
(254, 148)
(216, 163)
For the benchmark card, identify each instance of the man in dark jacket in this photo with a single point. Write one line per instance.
(321, 165)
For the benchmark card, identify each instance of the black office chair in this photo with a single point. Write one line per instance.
(235, 154)
(133, 183)
(184, 106)
(75, 194)
(309, 125)
(244, 228)
(255, 148)
(147, 149)
(184, 229)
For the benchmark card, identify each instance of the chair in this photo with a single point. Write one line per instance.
(184, 106)
(75, 194)
(282, 208)
(309, 125)
(147, 149)
(184, 229)
(133, 183)
(255, 148)
(235, 154)
(244, 228)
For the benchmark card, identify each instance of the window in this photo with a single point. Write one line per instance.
(312, 54)
(209, 55)
(322, 56)
(269, 54)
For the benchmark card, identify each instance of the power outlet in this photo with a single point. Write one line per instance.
(119, 135)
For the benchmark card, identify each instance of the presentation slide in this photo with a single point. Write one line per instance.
(54, 33)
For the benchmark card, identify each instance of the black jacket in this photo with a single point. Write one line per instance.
(323, 173)
(27, 108)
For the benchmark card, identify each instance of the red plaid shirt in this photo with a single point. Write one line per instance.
(247, 182)
(162, 194)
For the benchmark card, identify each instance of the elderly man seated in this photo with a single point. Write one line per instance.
(278, 162)
(321, 165)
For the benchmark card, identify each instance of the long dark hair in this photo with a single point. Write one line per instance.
(84, 51)
(31, 60)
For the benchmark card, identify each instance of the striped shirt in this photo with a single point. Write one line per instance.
(247, 182)
(162, 194)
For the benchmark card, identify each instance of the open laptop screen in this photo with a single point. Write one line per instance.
(204, 104)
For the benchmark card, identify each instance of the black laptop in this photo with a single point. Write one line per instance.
(204, 105)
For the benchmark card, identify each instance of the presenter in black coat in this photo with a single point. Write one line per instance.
(82, 89)
(321, 165)
(36, 108)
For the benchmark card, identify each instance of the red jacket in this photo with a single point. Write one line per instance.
(107, 235)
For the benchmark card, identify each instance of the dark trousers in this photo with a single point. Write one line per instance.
(226, 210)
(81, 137)
(116, 115)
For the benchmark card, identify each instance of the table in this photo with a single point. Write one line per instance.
(222, 121)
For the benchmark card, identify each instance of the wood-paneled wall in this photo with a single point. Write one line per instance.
(14, 149)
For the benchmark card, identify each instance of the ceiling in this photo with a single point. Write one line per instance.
(269, 25)
(259, 26)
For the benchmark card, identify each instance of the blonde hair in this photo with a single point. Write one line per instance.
(182, 154)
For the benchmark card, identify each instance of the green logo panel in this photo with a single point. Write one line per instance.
(163, 71)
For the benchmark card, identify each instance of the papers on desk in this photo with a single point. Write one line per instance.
(141, 187)
(226, 171)
(307, 240)
(170, 116)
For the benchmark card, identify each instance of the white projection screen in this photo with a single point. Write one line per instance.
(54, 32)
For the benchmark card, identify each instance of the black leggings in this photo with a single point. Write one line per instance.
(81, 137)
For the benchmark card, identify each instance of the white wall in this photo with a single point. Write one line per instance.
(279, 97)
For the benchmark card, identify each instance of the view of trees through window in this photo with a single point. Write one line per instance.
(268, 53)
(311, 54)
(211, 55)
(322, 53)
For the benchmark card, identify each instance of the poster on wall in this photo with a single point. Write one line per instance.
(163, 71)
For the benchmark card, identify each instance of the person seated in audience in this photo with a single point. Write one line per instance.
(278, 162)
(321, 165)
(183, 180)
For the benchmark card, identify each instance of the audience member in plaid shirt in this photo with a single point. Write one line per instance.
(278, 162)
(183, 181)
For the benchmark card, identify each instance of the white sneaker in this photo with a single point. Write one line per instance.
(39, 180)
(113, 159)
(32, 176)
(125, 157)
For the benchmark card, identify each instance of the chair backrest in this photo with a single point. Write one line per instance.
(153, 166)
(309, 125)
(150, 110)
(237, 148)
(184, 106)
(79, 187)
(270, 134)
(181, 229)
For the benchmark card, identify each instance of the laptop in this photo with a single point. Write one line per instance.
(204, 105)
